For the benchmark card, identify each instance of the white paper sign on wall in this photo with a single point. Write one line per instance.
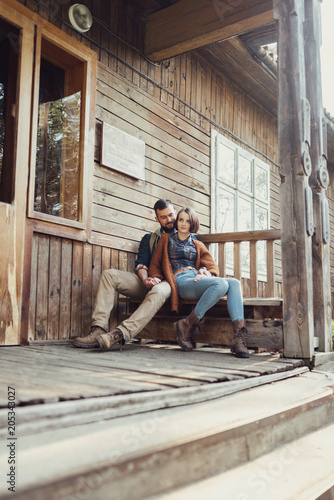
(122, 152)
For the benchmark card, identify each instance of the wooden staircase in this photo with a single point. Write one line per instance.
(273, 441)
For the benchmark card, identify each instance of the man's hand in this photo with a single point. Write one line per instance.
(151, 282)
(202, 273)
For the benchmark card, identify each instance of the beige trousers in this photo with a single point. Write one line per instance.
(128, 284)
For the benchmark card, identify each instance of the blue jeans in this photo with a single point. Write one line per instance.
(209, 291)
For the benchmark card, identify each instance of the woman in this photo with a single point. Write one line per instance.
(189, 268)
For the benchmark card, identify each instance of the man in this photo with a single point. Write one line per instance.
(138, 285)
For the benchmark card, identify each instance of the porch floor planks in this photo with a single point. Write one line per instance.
(61, 459)
(211, 358)
(59, 386)
(65, 382)
(172, 376)
(59, 372)
(100, 372)
(175, 363)
(156, 365)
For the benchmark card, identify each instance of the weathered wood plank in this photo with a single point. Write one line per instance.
(270, 288)
(109, 183)
(41, 417)
(87, 287)
(238, 236)
(33, 288)
(83, 382)
(42, 287)
(54, 288)
(213, 431)
(235, 58)
(113, 320)
(168, 361)
(76, 292)
(296, 197)
(319, 179)
(219, 331)
(61, 369)
(166, 37)
(121, 223)
(137, 126)
(65, 291)
(117, 89)
(96, 271)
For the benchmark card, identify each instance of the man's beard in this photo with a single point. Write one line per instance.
(169, 229)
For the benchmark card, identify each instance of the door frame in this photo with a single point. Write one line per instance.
(12, 215)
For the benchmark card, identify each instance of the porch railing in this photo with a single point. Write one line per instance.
(269, 236)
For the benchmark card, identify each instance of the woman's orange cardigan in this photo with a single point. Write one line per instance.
(160, 266)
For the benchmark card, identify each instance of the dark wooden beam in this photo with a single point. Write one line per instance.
(295, 193)
(319, 179)
(190, 24)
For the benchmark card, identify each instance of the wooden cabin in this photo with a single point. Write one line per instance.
(98, 123)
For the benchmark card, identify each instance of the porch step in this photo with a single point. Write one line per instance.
(302, 469)
(142, 455)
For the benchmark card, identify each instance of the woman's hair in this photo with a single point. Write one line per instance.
(194, 220)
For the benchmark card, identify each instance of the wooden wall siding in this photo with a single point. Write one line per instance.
(172, 107)
(65, 277)
(177, 153)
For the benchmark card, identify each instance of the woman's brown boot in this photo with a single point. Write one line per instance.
(184, 329)
(239, 345)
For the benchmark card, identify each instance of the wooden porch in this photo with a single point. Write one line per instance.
(124, 424)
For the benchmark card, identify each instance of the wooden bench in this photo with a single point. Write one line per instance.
(263, 314)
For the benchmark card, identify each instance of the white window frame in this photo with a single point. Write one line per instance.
(218, 183)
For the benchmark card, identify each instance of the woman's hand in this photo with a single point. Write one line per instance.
(151, 282)
(202, 273)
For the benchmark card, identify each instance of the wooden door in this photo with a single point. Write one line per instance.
(14, 168)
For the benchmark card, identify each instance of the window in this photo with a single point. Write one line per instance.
(241, 197)
(57, 174)
(60, 141)
(8, 88)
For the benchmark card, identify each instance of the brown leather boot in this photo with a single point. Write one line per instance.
(196, 332)
(239, 346)
(185, 330)
(89, 341)
(107, 340)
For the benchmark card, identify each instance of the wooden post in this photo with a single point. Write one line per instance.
(319, 178)
(295, 193)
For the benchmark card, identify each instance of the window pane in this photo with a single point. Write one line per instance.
(58, 145)
(226, 223)
(226, 163)
(261, 218)
(261, 222)
(245, 259)
(244, 214)
(226, 212)
(261, 248)
(261, 183)
(245, 174)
